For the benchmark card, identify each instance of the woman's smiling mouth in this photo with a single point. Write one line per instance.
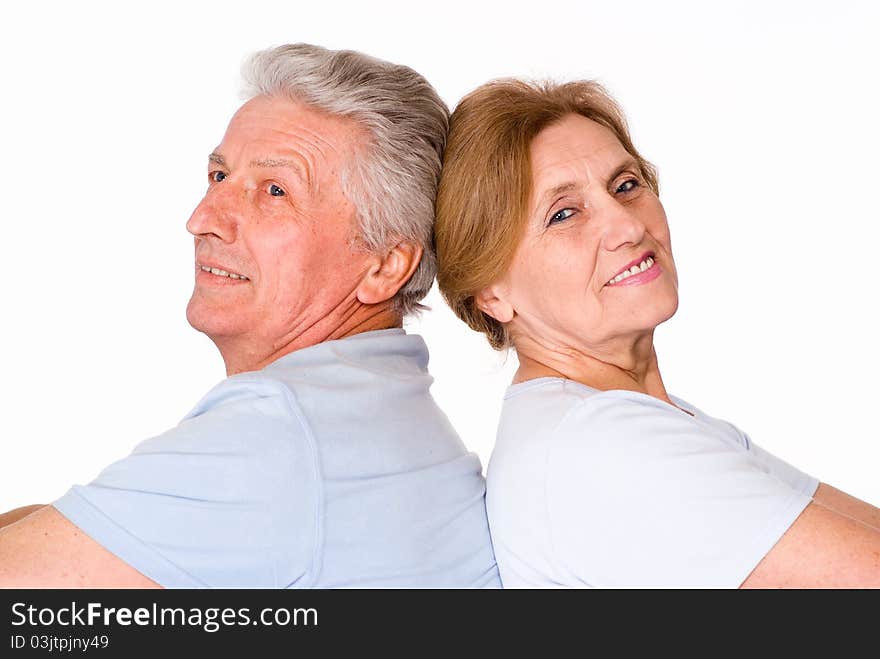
(638, 272)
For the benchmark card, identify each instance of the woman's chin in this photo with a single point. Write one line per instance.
(665, 311)
(673, 307)
(656, 316)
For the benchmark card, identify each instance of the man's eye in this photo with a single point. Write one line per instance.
(217, 176)
(628, 185)
(560, 216)
(275, 191)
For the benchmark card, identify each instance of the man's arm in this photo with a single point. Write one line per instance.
(822, 549)
(45, 550)
(13, 516)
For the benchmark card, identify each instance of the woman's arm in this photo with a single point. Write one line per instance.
(848, 505)
(18, 513)
(823, 548)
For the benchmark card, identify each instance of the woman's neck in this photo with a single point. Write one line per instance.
(631, 367)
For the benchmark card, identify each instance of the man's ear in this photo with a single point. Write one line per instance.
(389, 272)
(493, 302)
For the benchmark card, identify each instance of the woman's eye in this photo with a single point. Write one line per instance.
(561, 216)
(628, 185)
(217, 176)
(276, 191)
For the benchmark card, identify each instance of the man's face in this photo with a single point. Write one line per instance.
(275, 238)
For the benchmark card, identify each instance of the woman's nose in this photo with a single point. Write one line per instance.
(216, 215)
(623, 226)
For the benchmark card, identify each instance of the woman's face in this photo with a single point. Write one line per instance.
(592, 218)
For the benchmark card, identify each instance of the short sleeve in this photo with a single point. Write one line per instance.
(228, 498)
(642, 495)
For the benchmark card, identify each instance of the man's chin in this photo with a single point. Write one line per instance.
(207, 321)
(192, 315)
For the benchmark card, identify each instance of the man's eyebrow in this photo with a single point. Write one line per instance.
(298, 166)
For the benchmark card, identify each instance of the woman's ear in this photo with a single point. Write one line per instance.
(492, 301)
(389, 272)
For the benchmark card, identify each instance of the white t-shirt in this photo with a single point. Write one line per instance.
(617, 489)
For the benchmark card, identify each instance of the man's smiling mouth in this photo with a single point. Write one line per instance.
(222, 273)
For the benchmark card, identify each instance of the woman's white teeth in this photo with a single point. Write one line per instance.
(641, 267)
(222, 273)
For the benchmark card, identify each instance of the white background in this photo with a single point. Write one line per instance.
(762, 118)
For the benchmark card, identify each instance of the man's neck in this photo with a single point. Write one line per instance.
(245, 355)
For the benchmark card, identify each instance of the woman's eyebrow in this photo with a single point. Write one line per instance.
(629, 163)
(557, 190)
(568, 186)
(541, 205)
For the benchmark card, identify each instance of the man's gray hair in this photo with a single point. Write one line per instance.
(393, 185)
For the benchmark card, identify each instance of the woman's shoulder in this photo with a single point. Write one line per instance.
(547, 391)
(533, 408)
(566, 398)
(567, 416)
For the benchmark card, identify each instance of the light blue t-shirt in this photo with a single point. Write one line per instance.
(331, 467)
(617, 489)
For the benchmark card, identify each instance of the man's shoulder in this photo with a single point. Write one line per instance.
(243, 414)
(353, 387)
(246, 394)
(352, 381)
(388, 353)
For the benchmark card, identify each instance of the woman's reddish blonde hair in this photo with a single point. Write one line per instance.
(485, 184)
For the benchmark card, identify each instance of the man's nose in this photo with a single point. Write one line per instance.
(216, 215)
(623, 226)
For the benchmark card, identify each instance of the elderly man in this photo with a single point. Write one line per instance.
(322, 460)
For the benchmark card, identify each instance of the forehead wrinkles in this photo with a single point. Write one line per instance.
(560, 164)
(315, 154)
(315, 145)
(557, 163)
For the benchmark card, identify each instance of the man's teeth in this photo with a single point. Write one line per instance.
(223, 273)
(641, 267)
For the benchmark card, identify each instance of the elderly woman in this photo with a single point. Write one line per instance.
(552, 240)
